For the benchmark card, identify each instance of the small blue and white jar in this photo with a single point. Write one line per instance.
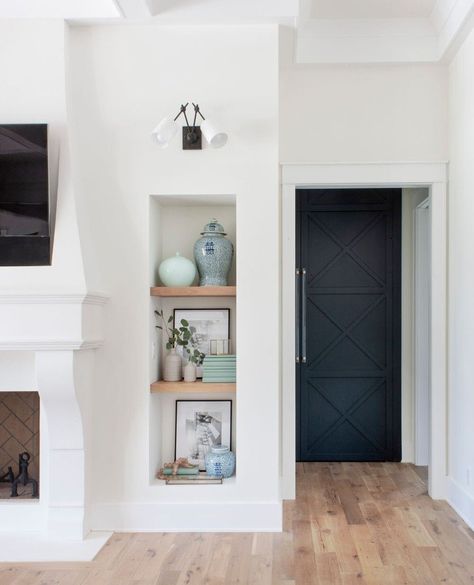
(213, 254)
(220, 461)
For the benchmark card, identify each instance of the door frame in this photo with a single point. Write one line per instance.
(421, 308)
(365, 175)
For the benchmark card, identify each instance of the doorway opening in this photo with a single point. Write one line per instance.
(424, 179)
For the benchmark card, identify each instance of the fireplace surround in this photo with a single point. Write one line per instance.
(47, 344)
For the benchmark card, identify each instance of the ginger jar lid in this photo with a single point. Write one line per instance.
(220, 449)
(213, 227)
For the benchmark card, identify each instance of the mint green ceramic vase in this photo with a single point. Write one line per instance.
(177, 271)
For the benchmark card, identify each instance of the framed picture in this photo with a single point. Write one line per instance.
(201, 424)
(209, 324)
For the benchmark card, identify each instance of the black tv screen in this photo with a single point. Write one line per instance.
(24, 195)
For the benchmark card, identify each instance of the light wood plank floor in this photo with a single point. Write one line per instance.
(352, 524)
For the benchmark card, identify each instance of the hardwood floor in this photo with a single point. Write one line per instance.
(351, 524)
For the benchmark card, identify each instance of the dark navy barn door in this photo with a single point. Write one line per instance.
(348, 376)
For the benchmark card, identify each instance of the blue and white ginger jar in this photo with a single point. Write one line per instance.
(220, 461)
(213, 254)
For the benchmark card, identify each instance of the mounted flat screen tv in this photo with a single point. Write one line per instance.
(24, 195)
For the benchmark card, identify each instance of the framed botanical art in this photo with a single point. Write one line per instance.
(201, 424)
(208, 324)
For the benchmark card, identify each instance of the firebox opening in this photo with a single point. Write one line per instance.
(19, 445)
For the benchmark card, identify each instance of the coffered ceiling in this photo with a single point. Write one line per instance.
(326, 31)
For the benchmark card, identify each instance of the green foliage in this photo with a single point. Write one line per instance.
(183, 336)
(172, 333)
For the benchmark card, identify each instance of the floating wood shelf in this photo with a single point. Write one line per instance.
(193, 291)
(211, 387)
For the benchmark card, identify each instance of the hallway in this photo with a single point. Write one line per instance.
(352, 523)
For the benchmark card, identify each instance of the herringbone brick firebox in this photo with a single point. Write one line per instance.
(19, 432)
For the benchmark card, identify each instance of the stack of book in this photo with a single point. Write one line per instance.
(219, 368)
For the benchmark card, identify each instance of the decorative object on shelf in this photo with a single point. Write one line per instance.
(177, 271)
(179, 467)
(213, 254)
(192, 134)
(220, 461)
(172, 370)
(189, 372)
(200, 424)
(199, 479)
(220, 346)
(219, 368)
(194, 355)
(207, 324)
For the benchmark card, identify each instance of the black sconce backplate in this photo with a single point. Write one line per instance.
(192, 138)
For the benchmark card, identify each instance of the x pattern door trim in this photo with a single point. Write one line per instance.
(346, 333)
(347, 248)
(346, 415)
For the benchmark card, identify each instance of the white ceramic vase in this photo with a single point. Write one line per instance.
(189, 372)
(172, 367)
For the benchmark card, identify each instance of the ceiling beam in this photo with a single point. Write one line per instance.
(134, 9)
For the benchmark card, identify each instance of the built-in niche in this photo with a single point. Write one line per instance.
(19, 434)
(175, 224)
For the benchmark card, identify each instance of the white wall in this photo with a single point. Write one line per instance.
(32, 62)
(122, 80)
(355, 113)
(461, 280)
(411, 198)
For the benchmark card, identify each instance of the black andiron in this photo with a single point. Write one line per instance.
(22, 478)
(8, 477)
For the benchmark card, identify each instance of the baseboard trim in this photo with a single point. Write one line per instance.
(187, 517)
(461, 501)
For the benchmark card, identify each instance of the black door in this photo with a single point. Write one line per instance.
(348, 285)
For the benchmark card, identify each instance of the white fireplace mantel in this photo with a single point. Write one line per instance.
(62, 330)
(51, 321)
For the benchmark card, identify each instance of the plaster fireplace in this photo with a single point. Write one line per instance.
(47, 345)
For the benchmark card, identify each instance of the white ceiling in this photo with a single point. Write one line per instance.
(175, 11)
(371, 8)
(68, 9)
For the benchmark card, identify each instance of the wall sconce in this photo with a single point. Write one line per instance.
(192, 134)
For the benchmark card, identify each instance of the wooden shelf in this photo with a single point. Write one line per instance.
(198, 386)
(193, 291)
